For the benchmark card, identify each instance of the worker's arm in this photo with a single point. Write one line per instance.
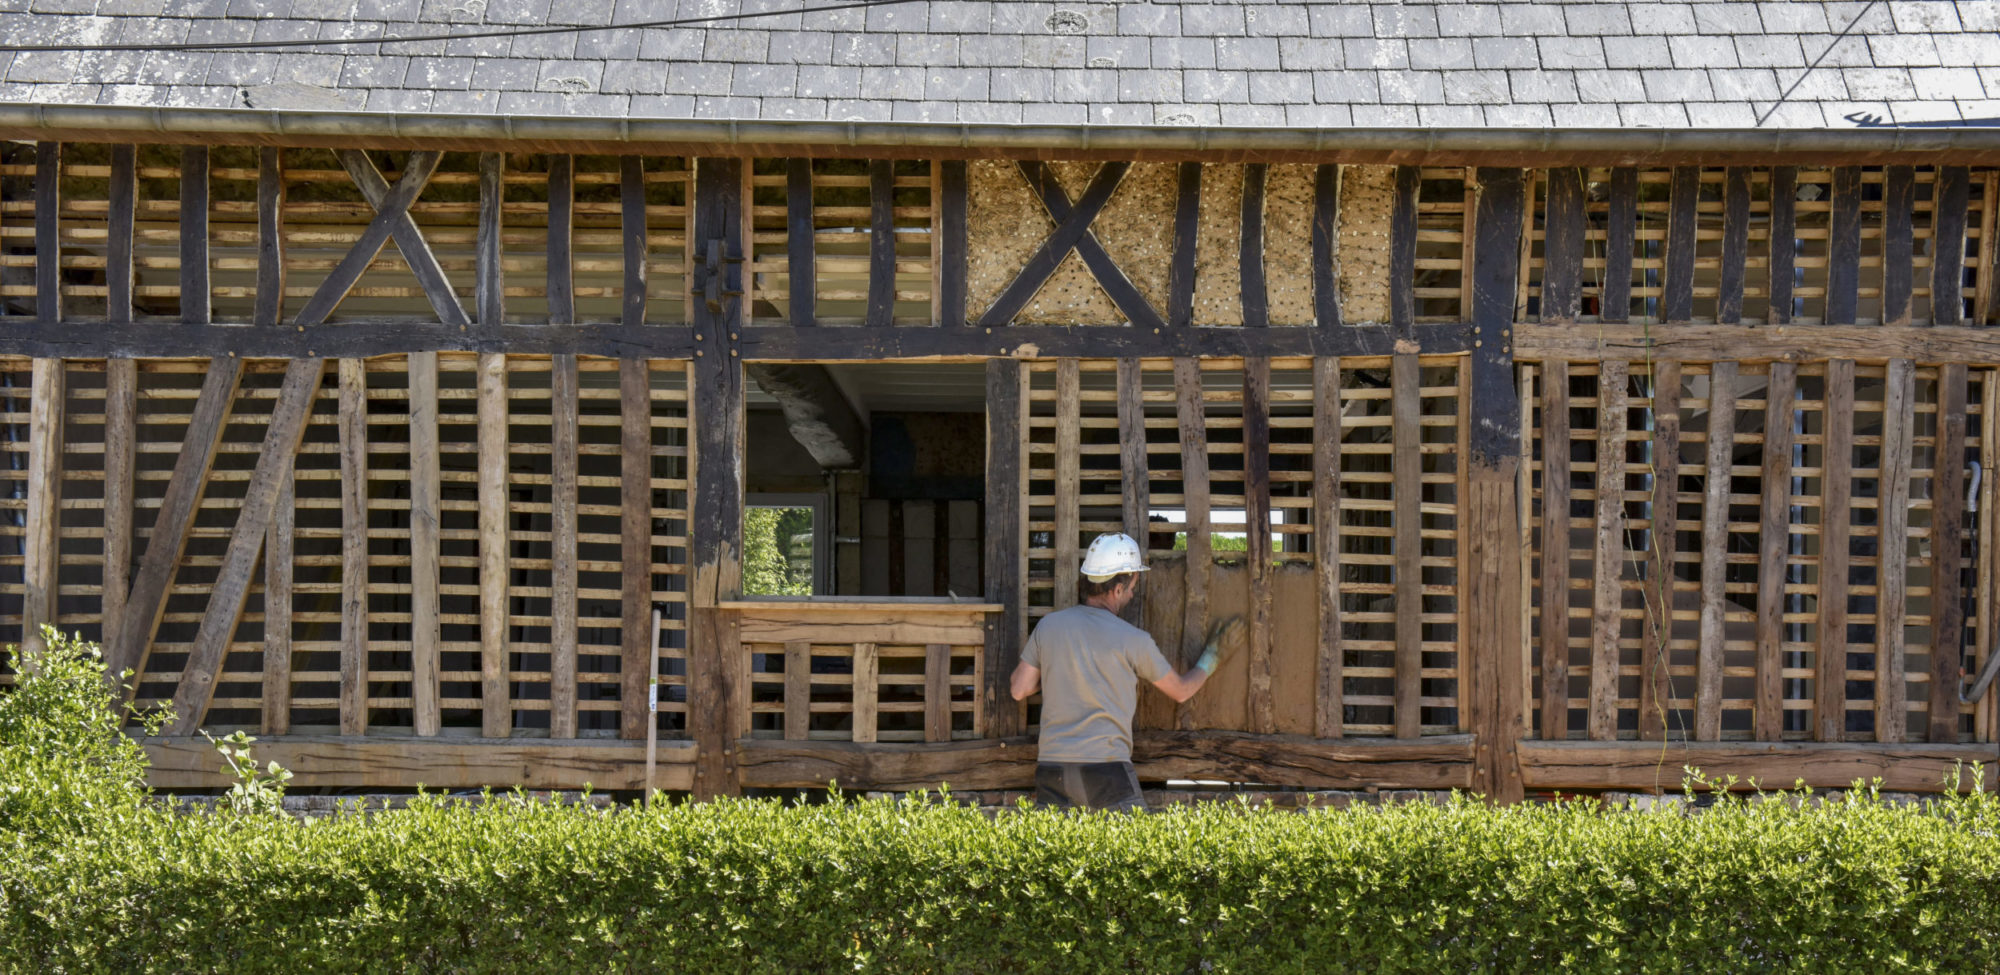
(1222, 637)
(1027, 680)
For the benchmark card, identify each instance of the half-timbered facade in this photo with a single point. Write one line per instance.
(419, 438)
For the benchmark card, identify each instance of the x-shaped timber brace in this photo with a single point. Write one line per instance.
(392, 221)
(1072, 233)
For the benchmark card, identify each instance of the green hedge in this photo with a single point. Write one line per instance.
(1852, 885)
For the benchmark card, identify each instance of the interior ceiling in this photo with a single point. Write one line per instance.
(900, 387)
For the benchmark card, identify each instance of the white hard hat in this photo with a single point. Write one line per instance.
(1112, 554)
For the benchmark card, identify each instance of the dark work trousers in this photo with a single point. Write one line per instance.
(1088, 785)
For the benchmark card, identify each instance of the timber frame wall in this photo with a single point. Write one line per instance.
(402, 492)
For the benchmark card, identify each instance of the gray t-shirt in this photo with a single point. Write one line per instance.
(1091, 663)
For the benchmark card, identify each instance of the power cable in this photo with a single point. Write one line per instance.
(1814, 66)
(463, 36)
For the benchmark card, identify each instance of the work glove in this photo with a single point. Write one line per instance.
(1223, 636)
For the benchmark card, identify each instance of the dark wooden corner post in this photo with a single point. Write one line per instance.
(1492, 563)
(1006, 538)
(715, 715)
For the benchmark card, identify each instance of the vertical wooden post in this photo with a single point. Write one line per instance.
(1006, 536)
(269, 304)
(1953, 190)
(48, 232)
(194, 235)
(562, 546)
(1326, 245)
(426, 500)
(353, 377)
(121, 437)
(951, 269)
(496, 713)
(122, 197)
(716, 521)
(1555, 550)
(1136, 496)
(801, 270)
(1947, 555)
(1898, 204)
(1250, 255)
(1891, 601)
(1655, 687)
(41, 541)
(1620, 227)
(867, 690)
(1562, 248)
(562, 239)
(1677, 291)
(1065, 487)
(1735, 244)
(633, 238)
(1715, 549)
(1406, 463)
(491, 286)
(881, 242)
(1328, 710)
(1784, 242)
(1773, 541)
(1836, 500)
(798, 689)
(276, 701)
(1194, 501)
(1491, 567)
(1403, 250)
(1843, 248)
(1607, 592)
(1187, 234)
(635, 537)
(937, 692)
(1257, 530)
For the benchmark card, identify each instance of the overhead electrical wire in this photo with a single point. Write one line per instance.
(459, 36)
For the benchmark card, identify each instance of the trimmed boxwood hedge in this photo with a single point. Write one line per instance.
(1850, 885)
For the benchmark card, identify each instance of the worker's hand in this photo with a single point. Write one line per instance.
(1224, 636)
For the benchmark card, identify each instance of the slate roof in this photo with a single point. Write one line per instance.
(1712, 65)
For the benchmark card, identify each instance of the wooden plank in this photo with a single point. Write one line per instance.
(121, 198)
(1735, 244)
(635, 538)
(1072, 227)
(1257, 529)
(633, 238)
(798, 689)
(561, 271)
(1891, 602)
(951, 251)
(1836, 502)
(147, 598)
(426, 502)
(353, 423)
(1636, 765)
(1187, 234)
(276, 710)
(1898, 240)
(715, 659)
(937, 692)
(1328, 711)
(1656, 688)
(41, 552)
(1193, 424)
(801, 268)
(1066, 472)
(434, 763)
(1436, 762)
(881, 242)
(1403, 249)
(1326, 244)
(490, 287)
(246, 542)
(268, 307)
(866, 688)
(1843, 248)
(563, 613)
(48, 232)
(1677, 291)
(1716, 478)
(392, 218)
(1250, 255)
(496, 712)
(1620, 228)
(1783, 263)
(1562, 247)
(1608, 551)
(1948, 245)
(1135, 494)
(783, 627)
(1948, 555)
(1796, 344)
(1407, 491)
(1773, 542)
(1555, 549)
(1005, 537)
(195, 299)
(121, 436)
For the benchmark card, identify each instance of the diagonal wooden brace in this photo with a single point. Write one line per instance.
(392, 220)
(1072, 233)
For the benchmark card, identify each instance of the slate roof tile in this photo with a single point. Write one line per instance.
(1571, 52)
(1505, 52)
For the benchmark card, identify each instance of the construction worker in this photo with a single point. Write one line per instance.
(1093, 662)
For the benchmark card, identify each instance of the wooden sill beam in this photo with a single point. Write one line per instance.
(435, 763)
(1644, 765)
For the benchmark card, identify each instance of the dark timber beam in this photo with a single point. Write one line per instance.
(1948, 245)
(269, 307)
(562, 240)
(1187, 235)
(1843, 248)
(48, 232)
(1403, 249)
(771, 342)
(801, 269)
(819, 416)
(1784, 242)
(1620, 226)
(1250, 257)
(1072, 233)
(392, 219)
(123, 196)
(951, 272)
(1677, 292)
(1562, 248)
(1006, 537)
(1735, 244)
(195, 304)
(881, 242)
(1326, 245)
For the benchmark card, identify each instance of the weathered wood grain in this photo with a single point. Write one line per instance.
(1948, 245)
(561, 270)
(1192, 420)
(41, 552)
(1407, 470)
(1326, 245)
(1608, 551)
(952, 227)
(1948, 555)
(635, 538)
(1250, 254)
(496, 710)
(1554, 634)
(1773, 549)
(1135, 495)
(1835, 529)
(269, 304)
(1257, 530)
(1892, 588)
(1843, 248)
(1783, 264)
(1187, 233)
(121, 438)
(434, 763)
(563, 613)
(1718, 460)
(1005, 537)
(426, 504)
(1644, 766)
(1677, 288)
(1662, 544)
(1898, 237)
(1735, 244)
(1328, 710)
(352, 380)
(1562, 248)
(1067, 458)
(1620, 228)
(121, 200)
